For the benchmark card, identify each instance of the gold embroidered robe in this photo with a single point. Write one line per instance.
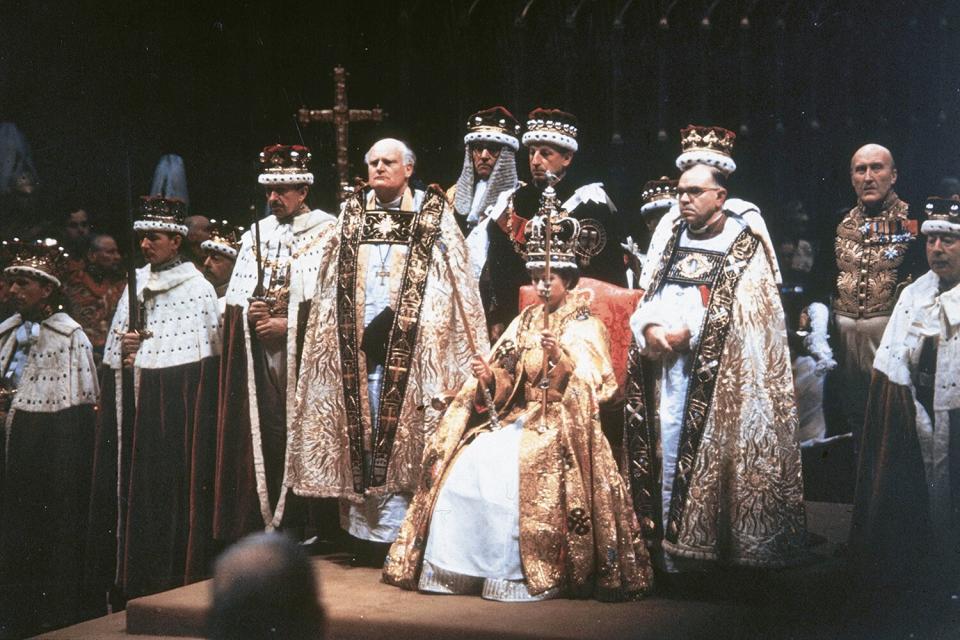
(578, 531)
(321, 460)
(738, 490)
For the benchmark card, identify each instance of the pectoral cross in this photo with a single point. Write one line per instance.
(383, 274)
(341, 116)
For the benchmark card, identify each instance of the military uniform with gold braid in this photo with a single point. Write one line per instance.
(877, 255)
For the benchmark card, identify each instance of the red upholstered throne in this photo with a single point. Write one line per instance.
(613, 306)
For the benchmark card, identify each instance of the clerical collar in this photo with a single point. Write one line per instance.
(719, 216)
(175, 261)
(393, 204)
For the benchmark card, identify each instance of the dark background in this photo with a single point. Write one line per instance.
(97, 85)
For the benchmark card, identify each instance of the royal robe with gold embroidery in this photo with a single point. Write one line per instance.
(578, 532)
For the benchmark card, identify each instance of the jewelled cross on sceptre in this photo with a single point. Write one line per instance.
(548, 209)
(341, 116)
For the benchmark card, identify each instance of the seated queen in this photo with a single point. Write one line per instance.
(523, 501)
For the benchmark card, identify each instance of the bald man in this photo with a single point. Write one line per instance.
(198, 230)
(876, 256)
(264, 587)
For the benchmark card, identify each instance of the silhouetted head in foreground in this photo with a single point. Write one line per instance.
(263, 587)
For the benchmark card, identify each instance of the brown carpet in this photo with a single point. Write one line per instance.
(735, 604)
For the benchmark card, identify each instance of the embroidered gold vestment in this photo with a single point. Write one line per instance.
(737, 495)
(578, 531)
(427, 353)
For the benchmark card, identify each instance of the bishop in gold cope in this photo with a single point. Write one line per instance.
(383, 339)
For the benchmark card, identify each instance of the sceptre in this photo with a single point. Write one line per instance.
(487, 399)
(133, 303)
(255, 226)
(547, 207)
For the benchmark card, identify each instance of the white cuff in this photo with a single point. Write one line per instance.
(645, 315)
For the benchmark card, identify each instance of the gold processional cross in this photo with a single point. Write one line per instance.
(341, 116)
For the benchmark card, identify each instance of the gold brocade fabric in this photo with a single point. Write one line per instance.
(319, 462)
(578, 531)
(869, 253)
(743, 502)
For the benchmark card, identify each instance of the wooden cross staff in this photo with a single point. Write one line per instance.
(341, 116)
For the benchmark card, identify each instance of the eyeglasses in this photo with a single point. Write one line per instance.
(695, 192)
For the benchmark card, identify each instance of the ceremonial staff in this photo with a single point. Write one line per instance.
(134, 317)
(548, 205)
(133, 320)
(255, 227)
(487, 399)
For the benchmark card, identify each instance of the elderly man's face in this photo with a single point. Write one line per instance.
(386, 171)
(943, 254)
(546, 157)
(217, 268)
(104, 254)
(484, 156)
(285, 200)
(699, 195)
(872, 174)
(198, 229)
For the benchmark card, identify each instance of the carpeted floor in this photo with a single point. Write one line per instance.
(730, 604)
(798, 603)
